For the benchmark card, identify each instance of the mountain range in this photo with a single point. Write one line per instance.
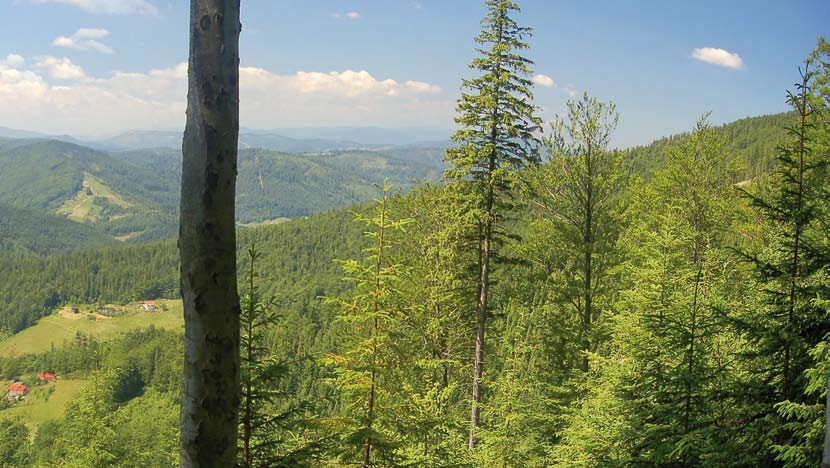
(57, 194)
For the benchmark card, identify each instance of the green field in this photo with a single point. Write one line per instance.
(58, 328)
(82, 208)
(36, 409)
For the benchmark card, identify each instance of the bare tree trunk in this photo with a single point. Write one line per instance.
(825, 458)
(207, 238)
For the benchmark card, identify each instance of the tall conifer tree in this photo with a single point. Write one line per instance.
(496, 139)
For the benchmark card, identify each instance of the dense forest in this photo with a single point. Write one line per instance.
(132, 195)
(553, 302)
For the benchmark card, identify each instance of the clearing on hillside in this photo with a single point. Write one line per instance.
(83, 207)
(39, 406)
(62, 326)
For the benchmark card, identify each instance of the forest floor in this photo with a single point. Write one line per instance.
(63, 325)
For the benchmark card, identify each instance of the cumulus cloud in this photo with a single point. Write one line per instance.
(571, 91)
(109, 7)
(423, 87)
(718, 57)
(347, 84)
(14, 61)
(353, 15)
(157, 98)
(60, 68)
(85, 39)
(544, 81)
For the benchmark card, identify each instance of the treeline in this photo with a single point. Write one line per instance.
(298, 255)
(752, 141)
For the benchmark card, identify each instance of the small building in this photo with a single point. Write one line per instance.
(149, 306)
(44, 377)
(17, 390)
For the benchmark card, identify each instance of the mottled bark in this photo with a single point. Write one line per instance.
(207, 238)
(825, 457)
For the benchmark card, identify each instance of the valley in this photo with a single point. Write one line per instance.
(412, 235)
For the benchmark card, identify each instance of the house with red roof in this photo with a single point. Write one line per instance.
(17, 390)
(44, 377)
(149, 306)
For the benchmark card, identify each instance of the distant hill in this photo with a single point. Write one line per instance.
(87, 186)
(274, 185)
(34, 233)
(133, 195)
(365, 135)
(142, 139)
(752, 141)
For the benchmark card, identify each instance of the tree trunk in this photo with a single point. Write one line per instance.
(825, 458)
(588, 241)
(481, 319)
(481, 311)
(207, 238)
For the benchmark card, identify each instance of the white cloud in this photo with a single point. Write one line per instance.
(718, 57)
(14, 61)
(157, 98)
(60, 68)
(353, 15)
(423, 87)
(570, 90)
(109, 7)
(544, 81)
(85, 39)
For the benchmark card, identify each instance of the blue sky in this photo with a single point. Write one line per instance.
(99, 66)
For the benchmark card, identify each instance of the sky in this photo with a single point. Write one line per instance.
(97, 67)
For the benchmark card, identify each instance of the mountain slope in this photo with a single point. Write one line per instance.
(34, 233)
(298, 254)
(273, 184)
(79, 183)
(752, 141)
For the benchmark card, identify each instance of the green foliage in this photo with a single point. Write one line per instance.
(14, 444)
(577, 193)
(268, 434)
(28, 232)
(788, 270)
(751, 141)
(370, 323)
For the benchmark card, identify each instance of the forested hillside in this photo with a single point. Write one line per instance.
(752, 141)
(550, 301)
(87, 186)
(26, 231)
(133, 196)
(299, 255)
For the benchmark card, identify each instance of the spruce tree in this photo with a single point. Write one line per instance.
(266, 423)
(793, 323)
(663, 371)
(433, 343)
(496, 139)
(371, 319)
